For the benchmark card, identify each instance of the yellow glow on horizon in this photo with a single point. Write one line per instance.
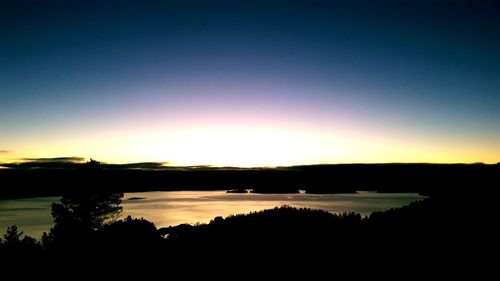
(243, 147)
(250, 146)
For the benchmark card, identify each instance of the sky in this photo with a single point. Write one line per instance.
(250, 83)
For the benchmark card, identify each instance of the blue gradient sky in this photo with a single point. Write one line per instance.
(250, 82)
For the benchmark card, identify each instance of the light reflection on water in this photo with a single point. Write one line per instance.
(172, 208)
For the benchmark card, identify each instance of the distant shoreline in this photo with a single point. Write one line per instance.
(426, 179)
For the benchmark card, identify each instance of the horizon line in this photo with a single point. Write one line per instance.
(47, 161)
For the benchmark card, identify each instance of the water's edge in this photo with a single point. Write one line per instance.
(170, 208)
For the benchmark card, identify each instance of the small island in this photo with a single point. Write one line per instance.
(276, 191)
(136, 198)
(237, 190)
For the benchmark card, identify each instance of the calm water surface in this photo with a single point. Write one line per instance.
(175, 207)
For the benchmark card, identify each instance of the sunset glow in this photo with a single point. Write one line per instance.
(269, 85)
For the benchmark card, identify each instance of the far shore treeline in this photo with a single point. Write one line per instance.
(32, 179)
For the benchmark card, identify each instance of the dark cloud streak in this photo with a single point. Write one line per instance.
(138, 166)
(72, 159)
(51, 163)
(75, 162)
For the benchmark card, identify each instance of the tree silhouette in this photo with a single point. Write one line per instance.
(12, 237)
(93, 164)
(12, 241)
(78, 216)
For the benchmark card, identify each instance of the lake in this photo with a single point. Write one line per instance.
(32, 215)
